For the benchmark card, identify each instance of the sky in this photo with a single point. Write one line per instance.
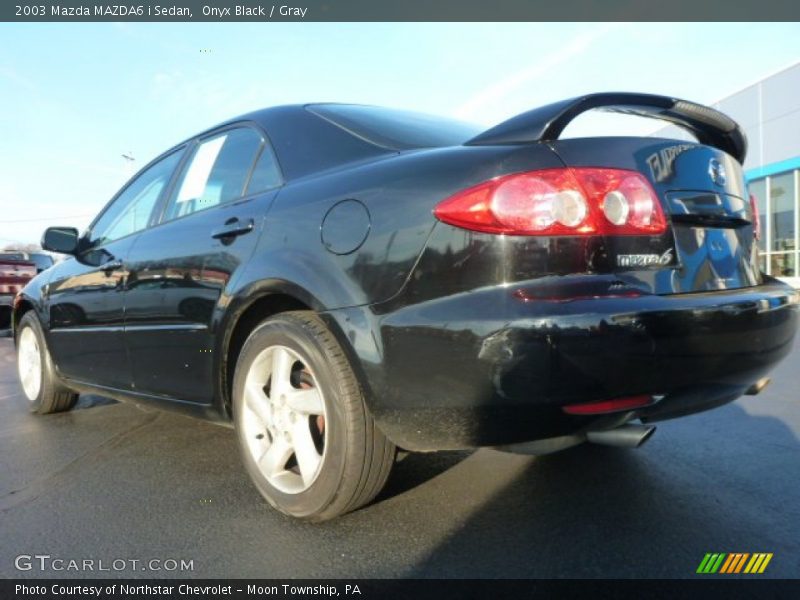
(76, 97)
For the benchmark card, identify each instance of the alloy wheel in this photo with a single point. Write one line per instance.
(284, 419)
(29, 363)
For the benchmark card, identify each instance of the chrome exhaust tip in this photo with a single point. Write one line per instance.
(758, 386)
(626, 436)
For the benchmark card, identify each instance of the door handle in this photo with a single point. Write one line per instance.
(232, 228)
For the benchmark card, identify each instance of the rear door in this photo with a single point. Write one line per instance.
(710, 243)
(181, 268)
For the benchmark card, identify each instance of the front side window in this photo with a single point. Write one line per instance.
(131, 211)
(216, 173)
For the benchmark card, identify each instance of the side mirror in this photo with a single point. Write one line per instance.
(63, 240)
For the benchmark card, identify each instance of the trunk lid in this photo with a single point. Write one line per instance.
(710, 242)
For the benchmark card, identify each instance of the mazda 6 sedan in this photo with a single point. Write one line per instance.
(337, 281)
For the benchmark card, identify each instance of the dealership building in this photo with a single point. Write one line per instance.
(769, 112)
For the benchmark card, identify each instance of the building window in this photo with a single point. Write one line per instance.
(777, 201)
(781, 212)
(759, 189)
(783, 264)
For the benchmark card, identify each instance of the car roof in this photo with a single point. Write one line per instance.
(304, 142)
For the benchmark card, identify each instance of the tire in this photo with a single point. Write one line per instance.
(40, 384)
(275, 416)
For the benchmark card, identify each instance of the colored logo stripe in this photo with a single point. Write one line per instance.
(734, 563)
(721, 562)
(758, 563)
(711, 563)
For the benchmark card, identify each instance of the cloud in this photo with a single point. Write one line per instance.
(90, 168)
(502, 88)
(200, 93)
(11, 74)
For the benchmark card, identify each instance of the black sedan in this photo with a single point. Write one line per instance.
(337, 281)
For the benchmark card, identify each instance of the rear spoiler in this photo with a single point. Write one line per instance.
(546, 123)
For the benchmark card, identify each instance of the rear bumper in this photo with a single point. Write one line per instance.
(490, 368)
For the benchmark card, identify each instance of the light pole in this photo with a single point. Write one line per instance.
(129, 160)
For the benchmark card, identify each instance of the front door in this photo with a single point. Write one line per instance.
(86, 292)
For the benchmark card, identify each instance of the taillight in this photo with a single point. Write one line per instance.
(566, 201)
(608, 406)
(756, 217)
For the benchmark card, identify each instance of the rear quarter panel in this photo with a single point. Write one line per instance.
(398, 193)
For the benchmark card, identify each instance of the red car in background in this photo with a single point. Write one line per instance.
(16, 269)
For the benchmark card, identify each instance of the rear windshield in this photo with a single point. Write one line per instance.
(397, 129)
(42, 261)
(13, 256)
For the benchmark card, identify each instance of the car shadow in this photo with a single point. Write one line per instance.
(708, 483)
(412, 470)
(90, 400)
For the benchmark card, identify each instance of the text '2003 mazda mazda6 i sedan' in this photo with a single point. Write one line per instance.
(338, 281)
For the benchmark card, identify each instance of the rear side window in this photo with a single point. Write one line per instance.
(42, 261)
(397, 129)
(216, 173)
(266, 174)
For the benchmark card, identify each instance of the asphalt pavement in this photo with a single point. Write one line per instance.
(111, 482)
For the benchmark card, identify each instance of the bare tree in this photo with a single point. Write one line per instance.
(23, 248)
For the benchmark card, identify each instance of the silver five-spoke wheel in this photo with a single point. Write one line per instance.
(41, 384)
(29, 363)
(284, 419)
(306, 437)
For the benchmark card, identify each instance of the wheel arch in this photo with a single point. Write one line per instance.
(245, 313)
(21, 306)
